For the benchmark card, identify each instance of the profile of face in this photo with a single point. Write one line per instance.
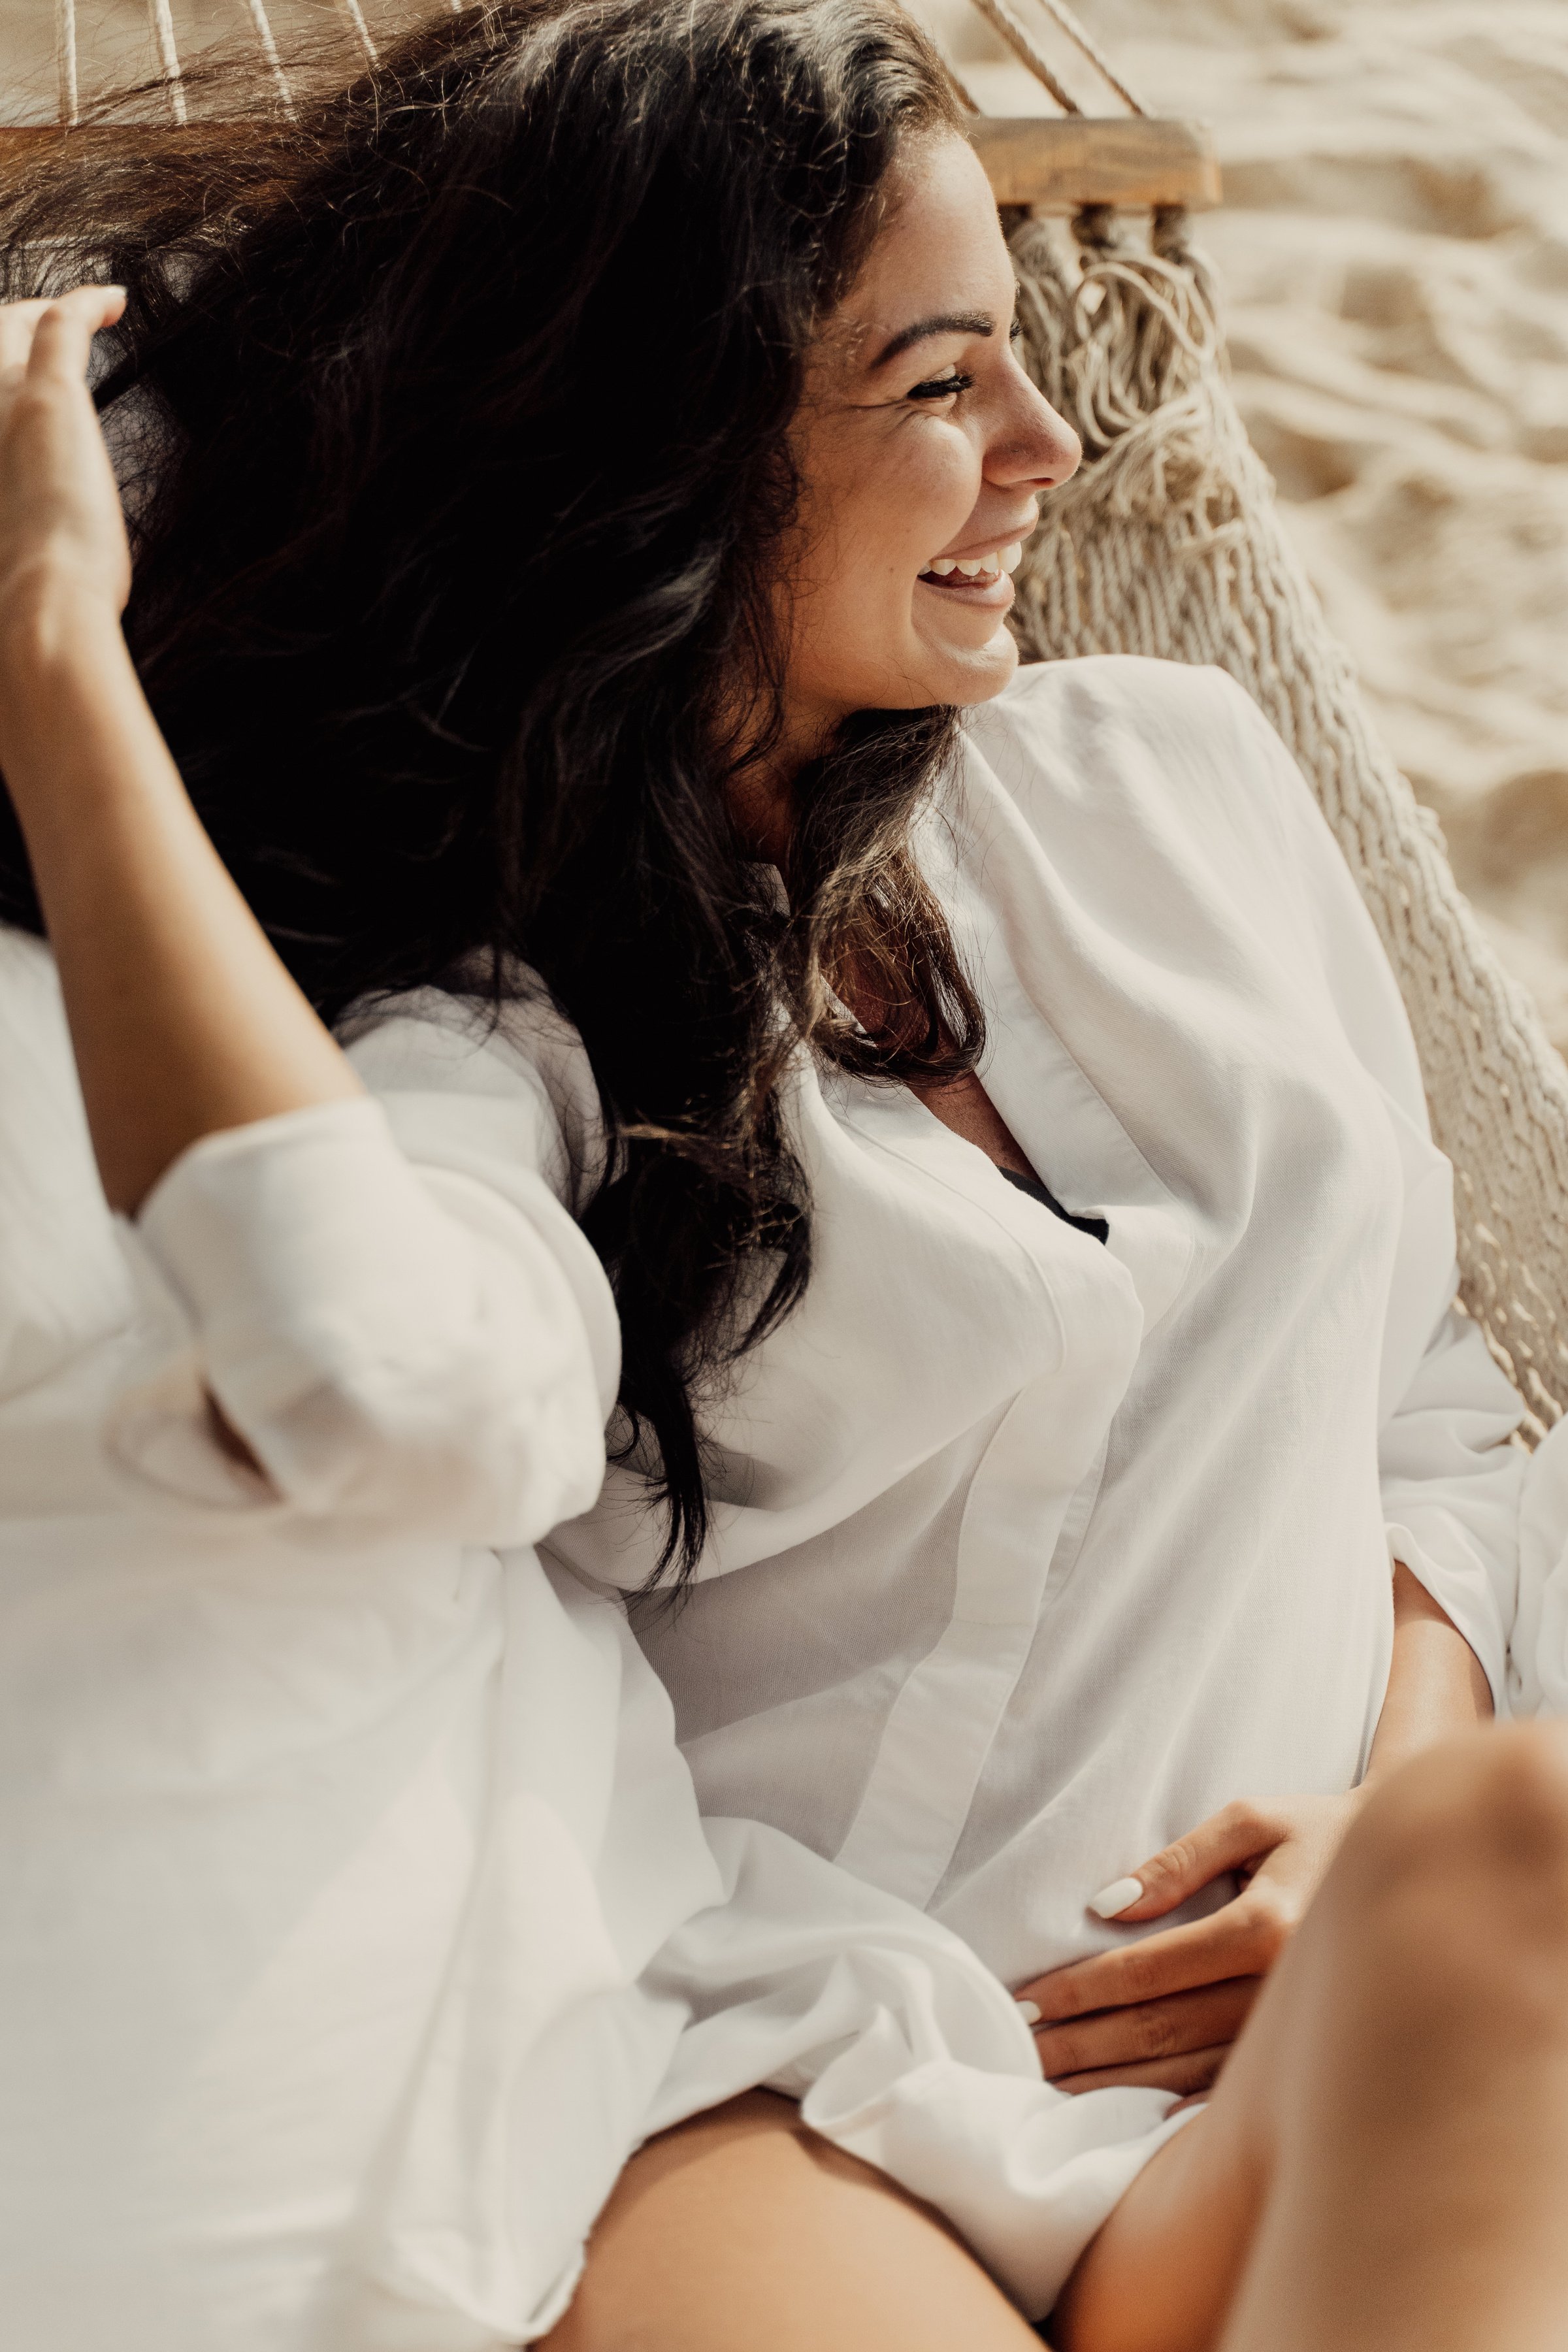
(922, 450)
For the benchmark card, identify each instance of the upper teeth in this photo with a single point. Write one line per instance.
(1002, 559)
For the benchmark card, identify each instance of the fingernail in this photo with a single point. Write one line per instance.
(1030, 2011)
(1119, 1896)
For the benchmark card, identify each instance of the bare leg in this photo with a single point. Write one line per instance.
(743, 2229)
(1381, 2167)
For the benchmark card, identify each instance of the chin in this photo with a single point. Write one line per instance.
(975, 675)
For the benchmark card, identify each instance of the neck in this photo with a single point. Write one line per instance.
(760, 802)
(761, 790)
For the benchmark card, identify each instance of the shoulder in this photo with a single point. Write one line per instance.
(459, 1072)
(1135, 755)
(1132, 688)
(1123, 721)
(1159, 791)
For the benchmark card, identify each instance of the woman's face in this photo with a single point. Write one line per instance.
(923, 448)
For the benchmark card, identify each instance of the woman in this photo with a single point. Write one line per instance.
(499, 697)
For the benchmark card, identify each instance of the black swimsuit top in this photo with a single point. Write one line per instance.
(1096, 1226)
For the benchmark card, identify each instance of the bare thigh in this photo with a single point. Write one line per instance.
(742, 2231)
(1162, 2273)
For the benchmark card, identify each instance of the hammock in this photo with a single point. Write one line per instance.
(1167, 542)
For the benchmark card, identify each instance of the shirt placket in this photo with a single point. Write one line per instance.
(941, 1727)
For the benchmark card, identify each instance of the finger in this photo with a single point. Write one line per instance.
(1240, 1834)
(62, 340)
(1243, 1940)
(18, 323)
(1201, 2020)
(1194, 2070)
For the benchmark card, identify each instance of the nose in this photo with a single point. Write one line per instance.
(1033, 448)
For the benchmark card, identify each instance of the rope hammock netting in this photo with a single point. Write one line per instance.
(1168, 543)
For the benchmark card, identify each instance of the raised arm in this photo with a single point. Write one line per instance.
(182, 1019)
(355, 1324)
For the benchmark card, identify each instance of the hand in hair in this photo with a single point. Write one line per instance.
(182, 1019)
(60, 523)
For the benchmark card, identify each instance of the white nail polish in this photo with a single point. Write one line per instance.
(1113, 1900)
(1030, 2011)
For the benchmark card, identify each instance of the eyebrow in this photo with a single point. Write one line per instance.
(949, 322)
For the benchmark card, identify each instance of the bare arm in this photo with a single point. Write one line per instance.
(1435, 1684)
(183, 1018)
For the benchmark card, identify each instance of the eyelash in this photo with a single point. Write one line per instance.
(941, 387)
(946, 387)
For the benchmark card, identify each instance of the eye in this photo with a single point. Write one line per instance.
(941, 387)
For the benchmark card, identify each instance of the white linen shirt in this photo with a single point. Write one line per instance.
(356, 1919)
(1029, 1554)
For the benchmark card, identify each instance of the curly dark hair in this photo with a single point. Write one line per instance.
(468, 395)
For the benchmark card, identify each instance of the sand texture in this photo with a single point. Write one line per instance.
(1395, 246)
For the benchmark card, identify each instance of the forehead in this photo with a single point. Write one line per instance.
(939, 253)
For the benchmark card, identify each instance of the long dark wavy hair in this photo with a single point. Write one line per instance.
(468, 395)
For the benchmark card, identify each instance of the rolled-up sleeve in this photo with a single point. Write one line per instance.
(1451, 1486)
(390, 1307)
(1539, 1683)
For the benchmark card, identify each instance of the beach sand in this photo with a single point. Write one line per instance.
(1395, 248)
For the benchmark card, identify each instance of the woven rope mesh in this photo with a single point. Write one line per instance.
(1168, 543)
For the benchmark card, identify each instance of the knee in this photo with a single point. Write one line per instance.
(1513, 1811)
(1465, 1849)
(1494, 1798)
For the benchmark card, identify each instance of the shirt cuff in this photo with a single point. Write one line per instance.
(389, 1341)
(1462, 1590)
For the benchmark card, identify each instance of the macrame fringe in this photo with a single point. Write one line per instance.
(1168, 543)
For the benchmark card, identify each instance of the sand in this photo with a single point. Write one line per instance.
(1395, 248)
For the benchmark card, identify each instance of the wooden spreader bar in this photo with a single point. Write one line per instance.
(1059, 164)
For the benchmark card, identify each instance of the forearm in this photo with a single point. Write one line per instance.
(183, 1018)
(1436, 1683)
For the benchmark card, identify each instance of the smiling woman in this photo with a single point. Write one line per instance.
(637, 1057)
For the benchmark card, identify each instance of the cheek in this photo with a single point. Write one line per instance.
(879, 516)
(929, 491)
(887, 526)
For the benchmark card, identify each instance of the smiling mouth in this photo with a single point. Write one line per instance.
(953, 574)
